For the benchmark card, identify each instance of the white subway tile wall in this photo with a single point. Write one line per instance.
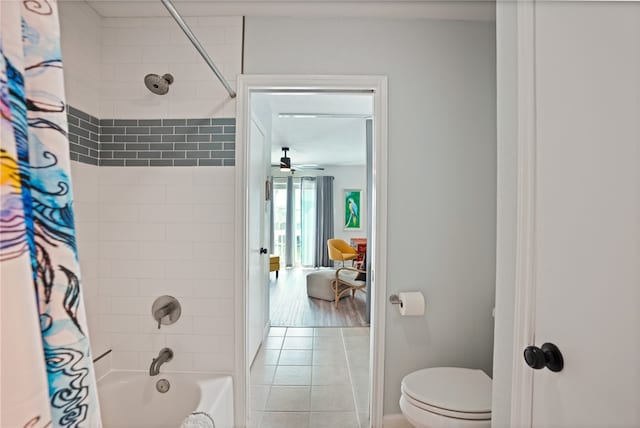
(80, 38)
(134, 47)
(144, 232)
(138, 240)
(86, 212)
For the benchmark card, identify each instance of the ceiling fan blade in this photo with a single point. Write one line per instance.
(309, 167)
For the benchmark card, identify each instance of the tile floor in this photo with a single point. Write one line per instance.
(311, 378)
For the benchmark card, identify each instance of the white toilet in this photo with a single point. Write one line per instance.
(447, 397)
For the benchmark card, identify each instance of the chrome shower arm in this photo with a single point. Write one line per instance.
(196, 43)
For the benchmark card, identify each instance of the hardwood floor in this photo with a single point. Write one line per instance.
(291, 307)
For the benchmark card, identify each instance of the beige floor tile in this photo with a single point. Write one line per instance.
(355, 331)
(258, 395)
(332, 398)
(302, 378)
(298, 343)
(359, 360)
(299, 331)
(266, 357)
(326, 357)
(273, 342)
(295, 357)
(327, 342)
(330, 375)
(359, 374)
(364, 420)
(333, 349)
(255, 418)
(292, 375)
(333, 420)
(285, 420)
(327, 331)
(361, 395)
(356, 342)
(262, 375)
(288, 398)
(277, 331)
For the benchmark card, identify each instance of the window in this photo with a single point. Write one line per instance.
(303, 219)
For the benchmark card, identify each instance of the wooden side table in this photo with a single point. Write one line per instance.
(274, 264)
(360, 245)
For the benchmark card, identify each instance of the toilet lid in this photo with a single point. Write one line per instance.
(450, 388)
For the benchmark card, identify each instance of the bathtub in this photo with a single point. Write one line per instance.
(130, 399)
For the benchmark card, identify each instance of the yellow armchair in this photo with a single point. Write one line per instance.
(340, 251)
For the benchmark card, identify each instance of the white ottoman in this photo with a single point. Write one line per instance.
(319, 284)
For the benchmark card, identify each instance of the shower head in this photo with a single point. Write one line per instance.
(159, 85)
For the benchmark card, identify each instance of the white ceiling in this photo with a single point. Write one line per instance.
(323, 141)
(470, 10)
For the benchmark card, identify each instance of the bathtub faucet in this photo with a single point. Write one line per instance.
(164, 356)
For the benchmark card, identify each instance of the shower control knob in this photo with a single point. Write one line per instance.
(548, 355)
(263, 251)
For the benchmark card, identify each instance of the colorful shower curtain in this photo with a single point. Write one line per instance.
(46, 372)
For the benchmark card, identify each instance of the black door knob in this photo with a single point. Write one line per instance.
(263, 251)
(548, 355)
(534, 357)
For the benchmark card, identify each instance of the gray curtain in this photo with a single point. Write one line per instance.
(288, 257)
(324, 219)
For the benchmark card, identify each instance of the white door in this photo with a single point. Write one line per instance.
(258, 280)
(585, 255)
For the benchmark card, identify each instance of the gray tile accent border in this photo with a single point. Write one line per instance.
(84, 141)
(151, 142)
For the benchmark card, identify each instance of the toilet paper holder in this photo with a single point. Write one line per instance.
(395, 300)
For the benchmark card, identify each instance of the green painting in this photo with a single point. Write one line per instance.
(352, 209)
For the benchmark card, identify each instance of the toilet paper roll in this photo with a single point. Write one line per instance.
(412, 303)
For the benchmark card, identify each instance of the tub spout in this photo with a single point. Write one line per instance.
(164, 356)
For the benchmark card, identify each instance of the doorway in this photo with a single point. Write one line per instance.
(317, 144)
(290, 357)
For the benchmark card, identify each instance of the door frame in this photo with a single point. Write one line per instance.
(313, 83)
(525, 261)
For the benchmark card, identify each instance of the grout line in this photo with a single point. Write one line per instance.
(353, 390)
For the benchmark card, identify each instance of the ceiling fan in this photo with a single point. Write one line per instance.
(286, 165)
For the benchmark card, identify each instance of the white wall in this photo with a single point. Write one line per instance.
(167, 231)
(348, 177)
(134, 47)
(506, 34)
(442, 169)
(80, 38)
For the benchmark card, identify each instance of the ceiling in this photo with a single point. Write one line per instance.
(471, 10)
(325, 130)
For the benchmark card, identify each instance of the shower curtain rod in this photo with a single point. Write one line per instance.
(196, 43)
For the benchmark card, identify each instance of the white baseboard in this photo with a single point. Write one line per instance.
(396, 420)
(265, 332)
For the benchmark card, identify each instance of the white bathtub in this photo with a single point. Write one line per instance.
(130, 399)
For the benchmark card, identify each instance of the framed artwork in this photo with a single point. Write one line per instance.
(352, 209)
